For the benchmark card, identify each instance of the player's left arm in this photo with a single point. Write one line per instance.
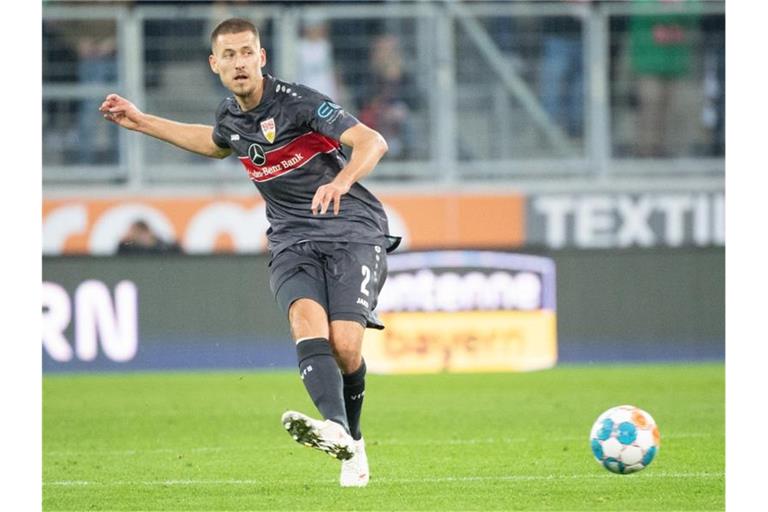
(368, 146)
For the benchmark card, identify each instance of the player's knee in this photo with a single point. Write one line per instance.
(349, 359)
(347, 343)
(308, 319)
(348, 354)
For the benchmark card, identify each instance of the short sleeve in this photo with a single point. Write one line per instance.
(218, 137)
(323, 115)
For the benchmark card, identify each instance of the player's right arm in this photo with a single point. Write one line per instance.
(197, 138)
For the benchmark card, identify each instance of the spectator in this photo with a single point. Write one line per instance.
(660, 56)
(387, 109)
(97, 64)
(561, 79)
(58, 54)
(95, 46)
(317, 68)
(713, 114)
(140, 239)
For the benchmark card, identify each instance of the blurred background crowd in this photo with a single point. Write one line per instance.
(461, 90)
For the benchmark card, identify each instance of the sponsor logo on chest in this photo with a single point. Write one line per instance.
(263, 165)
(256, 154)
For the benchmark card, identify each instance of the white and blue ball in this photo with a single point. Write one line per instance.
(625, 439)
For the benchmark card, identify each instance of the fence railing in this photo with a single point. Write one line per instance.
(463, 91)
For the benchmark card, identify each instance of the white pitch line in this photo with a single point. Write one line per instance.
(546, 477)
(384, 442)
(383, 480)
(203, 449)
(152, 450)
(511, 440)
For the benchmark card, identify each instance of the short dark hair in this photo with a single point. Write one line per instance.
(233, 26)
(141, 224)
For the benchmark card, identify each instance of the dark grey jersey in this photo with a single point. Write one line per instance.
(289, 146)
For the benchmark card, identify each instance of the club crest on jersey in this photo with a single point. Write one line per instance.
(268, 129)
(256, 154)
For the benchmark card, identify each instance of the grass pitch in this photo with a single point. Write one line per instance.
(213, 441)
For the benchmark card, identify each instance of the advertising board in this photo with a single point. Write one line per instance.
(465, 311)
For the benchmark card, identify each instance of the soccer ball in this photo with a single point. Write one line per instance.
(625, 439)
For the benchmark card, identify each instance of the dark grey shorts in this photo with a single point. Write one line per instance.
(344, 277)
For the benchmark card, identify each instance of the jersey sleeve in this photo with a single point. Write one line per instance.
(218, 137)
(324, 116)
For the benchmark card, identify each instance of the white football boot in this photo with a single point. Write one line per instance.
(326, 436)
(354, 472)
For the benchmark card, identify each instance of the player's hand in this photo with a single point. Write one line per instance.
(327, 194)
(121, 112)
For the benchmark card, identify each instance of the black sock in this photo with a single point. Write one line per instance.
(322, 378)
(354, 392)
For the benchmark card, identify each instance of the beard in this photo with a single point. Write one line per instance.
(242, 90)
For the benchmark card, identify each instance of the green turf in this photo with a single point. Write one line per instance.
(213, 441)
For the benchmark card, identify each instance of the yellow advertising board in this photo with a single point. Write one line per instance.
(465, 311)
(466, 341)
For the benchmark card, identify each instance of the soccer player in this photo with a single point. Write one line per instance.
(328, 235)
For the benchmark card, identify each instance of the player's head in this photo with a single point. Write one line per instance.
(237, 56)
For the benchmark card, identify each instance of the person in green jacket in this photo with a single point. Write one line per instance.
(661, 52)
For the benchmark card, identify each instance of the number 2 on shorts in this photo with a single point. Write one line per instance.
(366, 278)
